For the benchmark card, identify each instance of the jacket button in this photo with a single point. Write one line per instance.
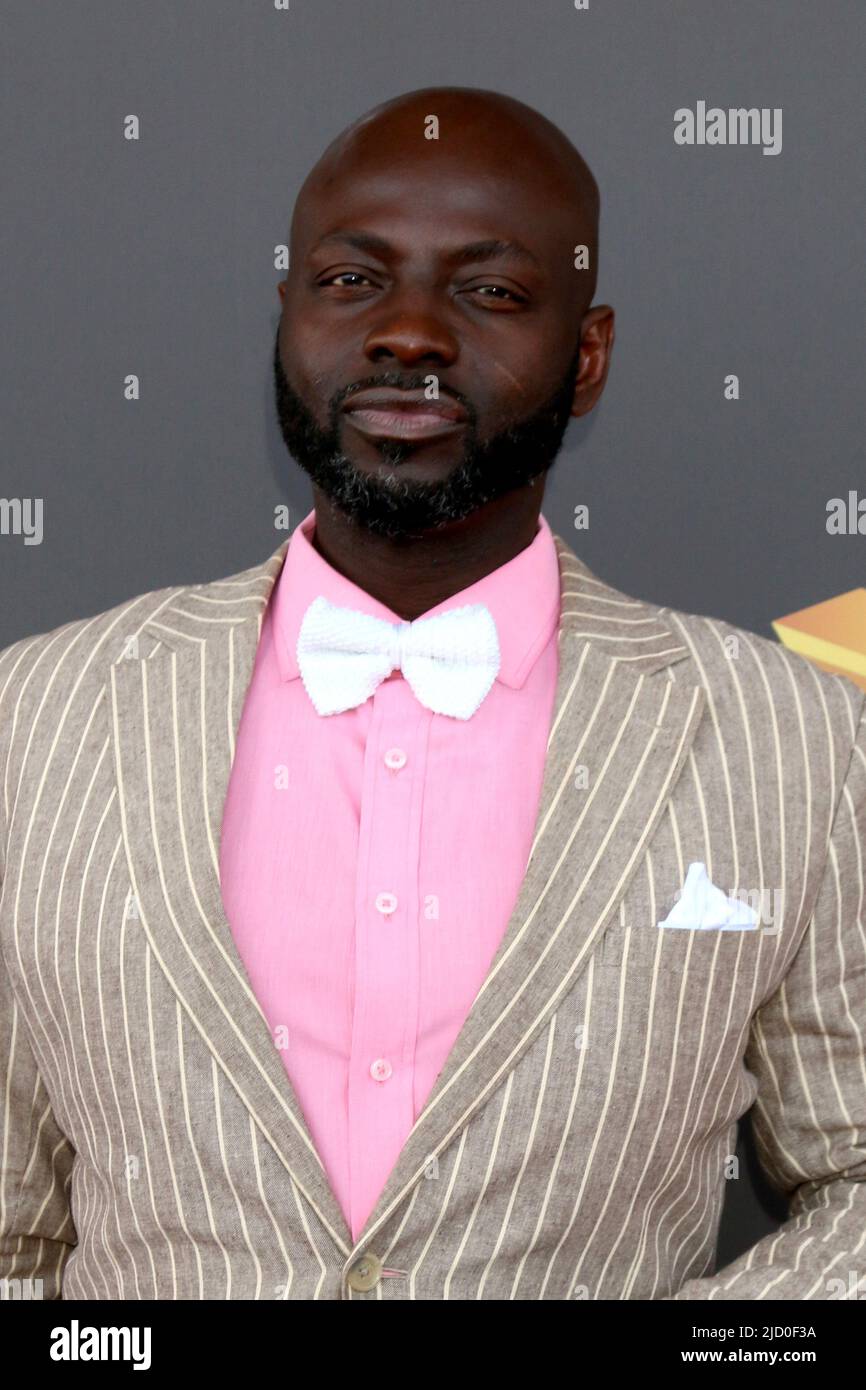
(364, 1273)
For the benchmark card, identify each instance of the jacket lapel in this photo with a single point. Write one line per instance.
(175, 716)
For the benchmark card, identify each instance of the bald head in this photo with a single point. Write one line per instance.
(442, 135)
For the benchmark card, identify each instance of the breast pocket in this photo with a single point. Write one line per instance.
(708, 953)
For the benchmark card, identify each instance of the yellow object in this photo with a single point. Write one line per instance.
(832, 634)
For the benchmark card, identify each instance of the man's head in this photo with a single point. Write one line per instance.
(436, 334)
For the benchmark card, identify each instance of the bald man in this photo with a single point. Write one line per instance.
(414, 914)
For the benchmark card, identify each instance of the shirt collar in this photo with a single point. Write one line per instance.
(523, 596)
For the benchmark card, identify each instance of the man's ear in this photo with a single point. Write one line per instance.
(596, 345)
(282, 291)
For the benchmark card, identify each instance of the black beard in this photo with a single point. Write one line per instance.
(404, 508)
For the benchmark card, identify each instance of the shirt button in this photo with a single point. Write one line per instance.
(386, 903)
(396, 758)
(381, 1069)
(364, 1273)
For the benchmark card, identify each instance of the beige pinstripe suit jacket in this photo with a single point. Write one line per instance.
(576, 1141)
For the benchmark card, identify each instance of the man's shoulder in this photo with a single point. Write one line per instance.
(81, 646)
(723, 652)
(733, 663)
(742, 672)
(59, 659)
(758, 691)
(765, 695)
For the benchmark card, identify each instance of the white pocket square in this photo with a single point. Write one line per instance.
(703, 906)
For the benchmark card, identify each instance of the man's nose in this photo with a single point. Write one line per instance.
(410, 337)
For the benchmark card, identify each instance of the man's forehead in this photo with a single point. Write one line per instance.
(388, 160)
(454, 201)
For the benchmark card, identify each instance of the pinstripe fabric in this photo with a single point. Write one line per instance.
(576, 1141)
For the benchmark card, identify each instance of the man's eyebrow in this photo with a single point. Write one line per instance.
(362, 241)
(491, 249)
(494, 249)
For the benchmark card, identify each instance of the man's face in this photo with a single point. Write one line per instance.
(428, 350)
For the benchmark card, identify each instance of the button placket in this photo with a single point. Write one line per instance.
(386, 944)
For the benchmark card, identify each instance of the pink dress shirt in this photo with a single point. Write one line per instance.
(371, 859)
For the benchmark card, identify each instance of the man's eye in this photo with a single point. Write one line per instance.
(344, 277)
(498, 292)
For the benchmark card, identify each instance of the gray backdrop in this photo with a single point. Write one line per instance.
(155, 257)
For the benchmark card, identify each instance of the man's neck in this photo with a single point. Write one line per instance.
(412, 576)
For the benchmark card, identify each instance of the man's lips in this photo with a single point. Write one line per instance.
(403, 415)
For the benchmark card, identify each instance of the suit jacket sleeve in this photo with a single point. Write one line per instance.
(36, 1226)
(807, 1048)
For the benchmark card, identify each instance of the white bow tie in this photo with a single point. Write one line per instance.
(450, 660)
